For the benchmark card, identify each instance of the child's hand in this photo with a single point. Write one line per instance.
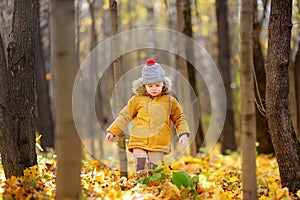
(183, 141)
(109, 136)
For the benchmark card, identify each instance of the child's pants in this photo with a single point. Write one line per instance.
(147, 159)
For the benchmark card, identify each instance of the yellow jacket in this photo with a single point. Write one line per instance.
(151, 117)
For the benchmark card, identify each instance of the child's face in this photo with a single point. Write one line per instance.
(154, 89)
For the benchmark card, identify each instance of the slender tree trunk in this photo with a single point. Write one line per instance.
(6, 10)
(5, 148)
(151, 23)
(297, 79)
(104, 92)
(67, 142)
(286, 145)
(262, 134)
(45, 36)
(78, 24)
(181, 66)
(18, 103)
(297, 85)
(94, 41)
(247, 106)
(45, 125)
(292, 96)
(171, 21)
(94, 35)
(3, 69)
(117, 75)
(228, 139)
(187, 30)
(107, 80)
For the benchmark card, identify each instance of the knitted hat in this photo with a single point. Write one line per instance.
(152, 72)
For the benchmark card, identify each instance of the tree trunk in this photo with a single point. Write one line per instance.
(297, 86)
(292, 96)
(45, 37)
(104, 92)
(93, 44)
(228, 139)
(3, 69)
(67, 142)
(151, 34)
(247, 104)
(107, 80)
(187, 30)
(286, 145)
(45, 125)
(6, 10)
(18, 99)
(117, 74)
(297, 80)
(262, 134)
(94, 35)
(78, 12)
(181, 67)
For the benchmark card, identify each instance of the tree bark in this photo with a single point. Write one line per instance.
(297, 80)
(3, 69)
(187, 30)
(262, 134)
(286, 145)
(45, 124)
(45, 37)
(151, 23)
(78, 24)
(228, 139)
(292, 96)
(18, 103)
(6, 11)
(117, 74)
(93, 44)
(67, 142)
(297, 87)
(94, 36)
(247, 104)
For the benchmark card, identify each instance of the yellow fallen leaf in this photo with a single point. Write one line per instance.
(280, 193)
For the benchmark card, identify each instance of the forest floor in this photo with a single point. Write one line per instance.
(207, 176)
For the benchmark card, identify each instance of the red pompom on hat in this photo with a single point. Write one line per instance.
(152, 72)
(150, 62)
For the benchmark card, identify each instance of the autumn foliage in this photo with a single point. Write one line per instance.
(207, 176)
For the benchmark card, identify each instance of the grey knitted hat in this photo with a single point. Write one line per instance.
(152, 72)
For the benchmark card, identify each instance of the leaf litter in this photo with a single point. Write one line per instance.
(206, 176)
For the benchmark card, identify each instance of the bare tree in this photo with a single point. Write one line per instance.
(247, 105)
(45, 124)
(187, 30)
(67, 142)
(6, 12)
(297, 86)
(262, 133)
(94, 35)
(286, 145)
(228, 139)
(297, 79)
(18, 97)
(117, 74)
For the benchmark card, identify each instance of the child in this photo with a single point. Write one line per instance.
(152, 110)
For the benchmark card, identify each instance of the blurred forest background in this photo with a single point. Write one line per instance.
(93, 26)
(215, 24)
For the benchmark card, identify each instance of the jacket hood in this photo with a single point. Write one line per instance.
(139, 89)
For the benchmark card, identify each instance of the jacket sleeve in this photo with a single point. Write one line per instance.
(124, 118)
(178, 118)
